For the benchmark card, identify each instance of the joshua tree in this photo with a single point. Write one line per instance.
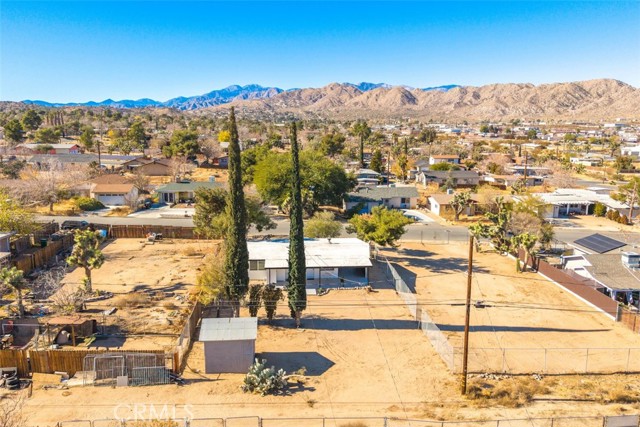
(86, 253)
(14, 279)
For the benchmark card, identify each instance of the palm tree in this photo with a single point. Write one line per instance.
(14, 279)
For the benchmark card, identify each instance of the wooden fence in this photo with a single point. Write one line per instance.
(630, 319)
(577, 286)
(39, 257)
(69, 361)
(187, 336)
(141, 231)
(15, 359)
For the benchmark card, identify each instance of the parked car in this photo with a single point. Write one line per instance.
(74, 225)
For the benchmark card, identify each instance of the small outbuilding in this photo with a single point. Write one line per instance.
(229, 344)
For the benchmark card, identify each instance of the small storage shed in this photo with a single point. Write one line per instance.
(229, 344)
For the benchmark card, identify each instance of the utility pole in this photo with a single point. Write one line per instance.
(389, 169)
(465, 354)
(526, 158)
(633, 200)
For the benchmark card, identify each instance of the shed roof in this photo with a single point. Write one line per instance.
(67, 320)
(229, 329)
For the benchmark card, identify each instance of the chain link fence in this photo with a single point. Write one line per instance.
(595, 421)
(513, 360)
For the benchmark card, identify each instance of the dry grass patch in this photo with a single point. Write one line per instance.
(132, 300)
(121, 211)
(511, 392)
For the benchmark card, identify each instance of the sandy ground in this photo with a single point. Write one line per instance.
(151, 286)
(364, 357)
(525, 314)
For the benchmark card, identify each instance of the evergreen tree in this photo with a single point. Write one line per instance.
(296, 290)
(236, 263)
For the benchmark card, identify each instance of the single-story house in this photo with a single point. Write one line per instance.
(586, 161)
(114, 194)
(395, 197)
(221, 161)
(571, 201)
(149, 167)
(229, 344)
(531, 170)
(616, 275)
(454, 159)
(633, 151)
(83, 189)
(40, 160)
(367, 177)
(440, 204)
(329, 262)
(505, 181)
(462, 178)
(55, 149)
(175, 192)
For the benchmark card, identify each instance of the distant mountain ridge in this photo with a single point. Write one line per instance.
(590, 99)
(210, 99)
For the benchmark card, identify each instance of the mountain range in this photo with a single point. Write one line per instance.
(210, 99)
(590, 99)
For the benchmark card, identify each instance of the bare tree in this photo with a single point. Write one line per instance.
(68, 300)
(178, 166)
(140, 180)
(46, 184)
(49, 282)
(210, 149)
(560, 176)
(496, 163)
(11, 414)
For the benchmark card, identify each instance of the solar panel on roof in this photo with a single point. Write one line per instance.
(599, 243)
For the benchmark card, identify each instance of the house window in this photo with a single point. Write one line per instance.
(404, 200)
(256, 265)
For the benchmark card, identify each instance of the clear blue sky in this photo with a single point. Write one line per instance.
(74, 51)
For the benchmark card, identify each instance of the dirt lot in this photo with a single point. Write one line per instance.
(151, 286)
(364, 357)
(523, 311)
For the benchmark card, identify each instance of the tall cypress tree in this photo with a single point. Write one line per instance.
(297, 289)
(236, 262)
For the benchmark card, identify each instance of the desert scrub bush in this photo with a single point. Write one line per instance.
(515, 393)
(264, 380)
(132, 300)
(88, 204)
(623, 394)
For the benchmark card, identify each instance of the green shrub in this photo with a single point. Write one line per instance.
(613, 215)
(600, 210)
(88, 204)
(622, 219)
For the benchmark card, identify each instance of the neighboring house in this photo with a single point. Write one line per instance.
(84, 189)
(462, 178)
(616, 275)
(330, 262)
(454, 159)
(586, 161)
(367, 177)
(506, 181)
(530, 170)
(176, 192)
(40, 160)
(5, 248)
(149, 167)
(397, 197)
(633, 151)
(440, 204)
(571, 201)
(55, 149)
(221, 162)
(115, 161)
(115, 194)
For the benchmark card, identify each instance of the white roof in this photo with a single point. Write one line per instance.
(229, 329)
(579, 196)
(342, 252)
